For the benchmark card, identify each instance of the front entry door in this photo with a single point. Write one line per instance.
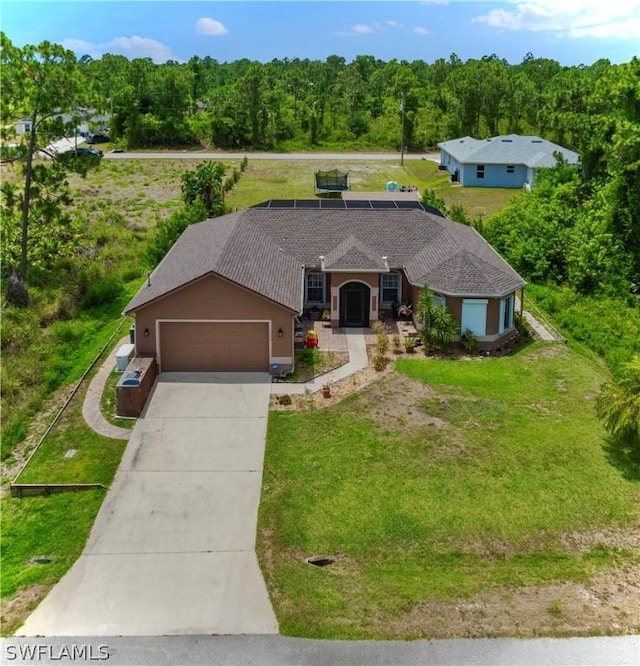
(354, 305)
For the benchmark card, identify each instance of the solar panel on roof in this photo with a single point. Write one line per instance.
(348, 204)
(332, 203)
(435, 211)
(382, 205)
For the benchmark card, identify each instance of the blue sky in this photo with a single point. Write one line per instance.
(570, 31)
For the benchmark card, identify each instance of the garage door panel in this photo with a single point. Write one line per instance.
(214, 347)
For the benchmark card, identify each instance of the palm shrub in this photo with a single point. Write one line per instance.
(619, 405)
(204, 184)
(438, 325)
(445, 327)
(426, 316)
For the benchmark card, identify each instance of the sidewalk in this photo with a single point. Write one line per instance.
(91, 406)
(356, 344)
(539, 330)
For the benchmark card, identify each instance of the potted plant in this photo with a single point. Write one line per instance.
(326, 391)
(410, 345)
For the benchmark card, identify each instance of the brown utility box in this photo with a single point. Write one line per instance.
(135, 385)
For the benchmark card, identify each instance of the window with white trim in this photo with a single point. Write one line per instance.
(314, 288)
(474, 316)
(480, 171)
(390, 288)
(511, 168)
(440, 301)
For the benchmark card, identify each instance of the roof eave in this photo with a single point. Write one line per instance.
(130, 311)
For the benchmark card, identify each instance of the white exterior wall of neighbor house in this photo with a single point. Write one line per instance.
(503, 161)
(22, 126)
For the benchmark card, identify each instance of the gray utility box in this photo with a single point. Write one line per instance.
(123, 356)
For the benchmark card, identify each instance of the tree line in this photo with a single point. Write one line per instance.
(306, 103)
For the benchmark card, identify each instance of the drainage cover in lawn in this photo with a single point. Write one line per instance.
(42, 559)
(320, 561)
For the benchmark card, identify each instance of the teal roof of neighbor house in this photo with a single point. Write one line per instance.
(266, 248)
(532, 151)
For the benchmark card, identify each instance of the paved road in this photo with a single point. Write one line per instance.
(332, 157)
(281, 651)
(172, 550)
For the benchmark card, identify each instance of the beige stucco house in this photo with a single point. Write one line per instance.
(226, 295)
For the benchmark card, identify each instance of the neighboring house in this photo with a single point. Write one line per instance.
(226, 295)
(83, 119)
(22, 125)
(501, 161)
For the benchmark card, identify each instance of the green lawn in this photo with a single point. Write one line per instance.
(282, 179)
(471, 486)
(55, 527)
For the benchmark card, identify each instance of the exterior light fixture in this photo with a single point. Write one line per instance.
(146, 332)
(280, 332)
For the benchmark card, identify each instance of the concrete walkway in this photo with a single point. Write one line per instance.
(539, 330)
(358, 360)
(91, 406)
(172, 550)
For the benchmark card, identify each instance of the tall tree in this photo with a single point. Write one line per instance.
(39, 83)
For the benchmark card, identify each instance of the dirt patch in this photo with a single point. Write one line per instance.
(17, 608)
(398, 401)
(608, 604)
(548, 351)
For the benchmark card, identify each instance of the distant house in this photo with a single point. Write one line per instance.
(226, 296)
(501, 161)
(83, 119)
(22, 125)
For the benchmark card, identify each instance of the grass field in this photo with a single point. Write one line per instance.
(266, 179)
(449, 481)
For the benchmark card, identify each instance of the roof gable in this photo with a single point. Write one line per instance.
(353, 255)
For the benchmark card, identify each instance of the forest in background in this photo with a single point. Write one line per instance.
(307, 103)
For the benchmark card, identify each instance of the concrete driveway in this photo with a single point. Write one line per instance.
(173, 548)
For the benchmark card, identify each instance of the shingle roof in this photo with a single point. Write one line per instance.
(352, 254)
(265, 248)
(532, 151)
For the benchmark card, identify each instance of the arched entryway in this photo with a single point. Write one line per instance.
(354, 304)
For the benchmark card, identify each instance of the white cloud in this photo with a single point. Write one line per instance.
(362, 29)
(131, 47)
(209, 26)
(616, 19)
(419, 30)
(371, 28)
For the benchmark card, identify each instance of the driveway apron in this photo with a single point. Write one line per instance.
(172, 550)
